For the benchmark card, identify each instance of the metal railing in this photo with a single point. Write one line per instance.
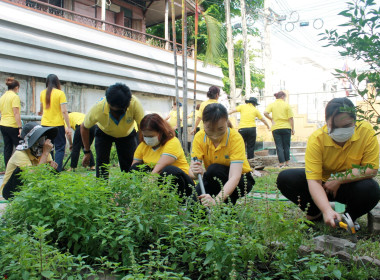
(96, 23)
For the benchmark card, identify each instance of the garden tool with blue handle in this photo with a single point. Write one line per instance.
(201, 185)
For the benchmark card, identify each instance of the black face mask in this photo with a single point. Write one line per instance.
(118, 113)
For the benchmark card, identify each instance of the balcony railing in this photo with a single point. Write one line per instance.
(119, 30)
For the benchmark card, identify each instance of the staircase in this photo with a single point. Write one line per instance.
(297, 152)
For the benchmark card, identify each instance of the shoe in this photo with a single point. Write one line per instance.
(92, 168)
(71, 169)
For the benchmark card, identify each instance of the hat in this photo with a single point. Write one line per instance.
(252, 100)
(32, 131)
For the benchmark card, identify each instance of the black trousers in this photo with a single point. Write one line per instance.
(360, 197)
(13, 185)
(249, 136)
(11, 140)
(181, 179)
(78, 145)
(125, 148)
(282, 140)
(217, 174)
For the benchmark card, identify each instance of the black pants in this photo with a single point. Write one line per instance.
(59, 143)
(11, 140)
(125, 148)
(282, 141)
(217, 172)
(181, 179)
(249, 136)
(13, 184)
(78, 145)
(360, 196)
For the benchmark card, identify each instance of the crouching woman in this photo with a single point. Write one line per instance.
(222, 150)
(34, 149)
(161, 152)
(345, 148)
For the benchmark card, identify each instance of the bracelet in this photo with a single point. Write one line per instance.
(20, 127)
(86, 152)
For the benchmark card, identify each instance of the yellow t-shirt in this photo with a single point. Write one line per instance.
(173, 117)
(230, 150)
(248, 115)
(53, 115)
(75, 119)
(20, 159)
(8, 101)
(324, 157)
(202, 107)
(281, 113)
(172, 148)
(100, 114)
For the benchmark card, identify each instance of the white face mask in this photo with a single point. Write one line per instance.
(151, 141)
(342, 134)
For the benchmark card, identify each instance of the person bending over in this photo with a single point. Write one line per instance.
(160, 149)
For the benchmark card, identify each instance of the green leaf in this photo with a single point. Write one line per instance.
(337, 273)
(172, 250)
(313, 268)
(47, 274)
(209, 245)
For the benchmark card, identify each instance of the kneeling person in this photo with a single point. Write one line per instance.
(34, 149)
(160, 148)
(222, 151)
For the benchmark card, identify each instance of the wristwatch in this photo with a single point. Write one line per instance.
(86, 152)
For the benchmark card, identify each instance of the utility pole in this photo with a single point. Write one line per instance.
(247, 68)
(230, 50)
(267, 52)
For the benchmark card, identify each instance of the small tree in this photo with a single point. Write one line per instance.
(362, 42)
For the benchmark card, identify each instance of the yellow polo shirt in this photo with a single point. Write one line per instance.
(281, 113)
(172, 148)
(75, 119)
(20, 159)
(324, 157)
(53, 115)
(202, 107)
(248, 115)
(173, 117)
(100, 114)
(8, 101)
(230, 150)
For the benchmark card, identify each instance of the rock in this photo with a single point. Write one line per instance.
(342, 255)
(333, 244)
(304, 250)
(374, 220)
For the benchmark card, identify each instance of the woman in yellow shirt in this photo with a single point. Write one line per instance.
(213, 95)
(34, 149)
(221, 149)
(282, 126)
(247, 124)
(333, 155)
(10, 123)
(53, 110)
(160, 149)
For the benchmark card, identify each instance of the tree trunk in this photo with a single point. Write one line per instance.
(230, 50)
(184, 77)
(247, 68)
(175, 55)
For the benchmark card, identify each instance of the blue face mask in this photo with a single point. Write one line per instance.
(342, 134)
(151, 141)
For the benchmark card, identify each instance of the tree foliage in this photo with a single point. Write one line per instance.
(361, 42)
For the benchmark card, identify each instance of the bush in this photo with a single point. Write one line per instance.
(137, 227)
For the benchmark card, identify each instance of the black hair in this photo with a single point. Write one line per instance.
(337, 106)
(214, 112)
(12, 83)
(119, 95)
(52, 81)
(213, 91)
